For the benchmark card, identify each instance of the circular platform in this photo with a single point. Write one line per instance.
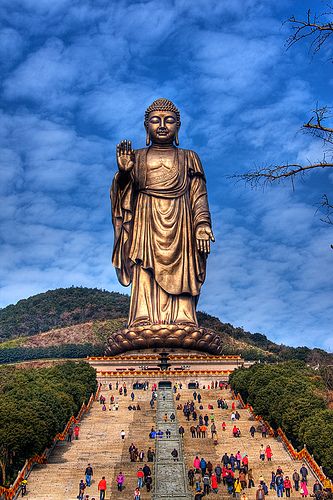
(164, 336)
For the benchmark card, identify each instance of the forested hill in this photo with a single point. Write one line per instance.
(65, 307)
(59, 308)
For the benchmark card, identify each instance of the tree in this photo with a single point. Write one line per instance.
(319, 32)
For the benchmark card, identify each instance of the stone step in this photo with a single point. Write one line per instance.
(100, 444)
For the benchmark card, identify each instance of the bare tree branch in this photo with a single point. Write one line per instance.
(326, 208)
(316, 125)
(268, 175)
(311, 27)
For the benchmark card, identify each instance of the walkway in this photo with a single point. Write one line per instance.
(170, 475)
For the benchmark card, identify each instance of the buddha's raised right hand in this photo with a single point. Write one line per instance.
(125, 156)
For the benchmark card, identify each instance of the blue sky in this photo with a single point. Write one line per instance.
(77, 77)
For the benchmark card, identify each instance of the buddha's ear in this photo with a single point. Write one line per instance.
(147, 136)
(176, 137)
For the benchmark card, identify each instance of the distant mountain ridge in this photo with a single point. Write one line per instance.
(105, 311)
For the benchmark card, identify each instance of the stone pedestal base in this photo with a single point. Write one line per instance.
(165, 336)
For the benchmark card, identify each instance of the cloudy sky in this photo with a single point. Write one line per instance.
(77, 76)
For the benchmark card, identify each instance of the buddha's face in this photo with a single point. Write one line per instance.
(162, 127)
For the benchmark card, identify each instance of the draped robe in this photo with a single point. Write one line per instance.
(155, 214)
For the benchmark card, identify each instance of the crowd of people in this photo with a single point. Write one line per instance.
(232, 474)
(238, 479)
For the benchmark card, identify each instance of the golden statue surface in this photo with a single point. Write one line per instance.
(162, 235)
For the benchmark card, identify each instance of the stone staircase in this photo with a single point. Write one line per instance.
(171, 482)
(100, 445)
(204, 447)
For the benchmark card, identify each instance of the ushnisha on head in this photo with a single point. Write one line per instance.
(162, 122)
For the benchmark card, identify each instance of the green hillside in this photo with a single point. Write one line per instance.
(65, 307)
(59, 308)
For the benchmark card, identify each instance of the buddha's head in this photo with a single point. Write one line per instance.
(162, 122)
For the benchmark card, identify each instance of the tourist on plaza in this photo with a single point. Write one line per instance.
(203, 466)
(148, 482)
(132, 396)
(146, 471)
(229, 481)
(172, 417)
(304, 473)
(209, 468)
(287, 486)
(120, 481)
(296, 479)
(70, 434)
(82, 487)
(252, 430)
(193, 431)
(317, 489)
(213, 430)
(174, 453)
(168, 433)
(89, 473)
(224, 426)
(122, 434)
(140, 475)
(262, 452)
(279, 485)
(272, 485)
(141, 455)
(190, 476)
(250, 478)
(102, 488)
(238, 459)
(203, 430)
(237, 488)
(232, 461)
(76, 432)
(263, 431)
(206, 483)
(269, 453)
(245, 463)
(137, 494)
(196, 463)
(150, 455)
(243, 496)
(181, 431)
(23, 485)
(214, 483)
(303, 489)
(260, 494)
(242, 478)
(218, 473)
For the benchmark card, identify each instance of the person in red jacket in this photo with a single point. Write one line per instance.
(102, 488)
(287, 486)
(269, 453)
(140, 475)
(214, 484)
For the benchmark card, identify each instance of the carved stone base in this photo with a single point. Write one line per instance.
(165, 336)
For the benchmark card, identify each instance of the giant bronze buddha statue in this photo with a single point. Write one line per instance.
(162, 235)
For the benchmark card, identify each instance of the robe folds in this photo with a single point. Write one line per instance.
(155, 214)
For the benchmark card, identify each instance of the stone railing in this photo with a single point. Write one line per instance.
(294, 454)
(12, 492)
(158, 373)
